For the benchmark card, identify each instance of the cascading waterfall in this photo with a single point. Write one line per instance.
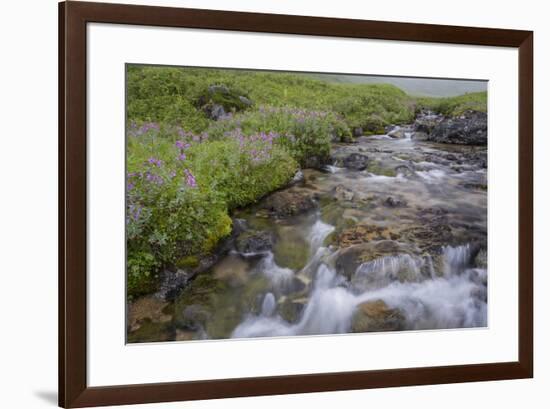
(451, 299)
(318, 233)
(280, 277)
(455, 259)
(392, 268)
(268, 305)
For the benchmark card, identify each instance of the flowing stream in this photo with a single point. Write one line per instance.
(398, 245)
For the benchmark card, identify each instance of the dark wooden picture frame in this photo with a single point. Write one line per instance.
(73, 388)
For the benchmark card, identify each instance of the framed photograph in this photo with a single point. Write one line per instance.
(255, 204)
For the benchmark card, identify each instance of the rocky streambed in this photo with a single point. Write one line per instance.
(391, 236)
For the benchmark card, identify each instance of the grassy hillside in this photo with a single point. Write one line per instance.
(422, 87)
(170, 95)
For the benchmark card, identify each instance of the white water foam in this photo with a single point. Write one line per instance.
(455, 300)
(280, 277)
(433, 175)
(318, 233)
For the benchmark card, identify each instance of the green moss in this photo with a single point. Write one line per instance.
(187, 262)
(220, 229)
(151, 332)
(378, 169)
(291, 253)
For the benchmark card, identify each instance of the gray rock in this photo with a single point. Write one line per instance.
(171, 283)
(426, 122)
(297, 178)
(245, 101)
(391, 202)
(218, 89)
(356, 161)
(357, 132)
(215, 111)
(350, 258)
(342, 193)
(254, 242)
(419, 136)
(468, 129)
(287, 203)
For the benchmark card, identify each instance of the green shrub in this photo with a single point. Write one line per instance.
(178, 201)
(227, 167)
(455, 106)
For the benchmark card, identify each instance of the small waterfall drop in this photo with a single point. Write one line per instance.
(280, 277)
(456, 259)
(318, 233)
(269, 305)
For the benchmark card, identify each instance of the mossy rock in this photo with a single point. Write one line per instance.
(376, 316)
(217, 232)
(230, 99)
(150, 331)
(291, 249)
(187, 262)
(291, 309)
(378, 169)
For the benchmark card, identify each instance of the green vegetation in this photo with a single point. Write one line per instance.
(455, 106)
(163, 94)
(203, 142)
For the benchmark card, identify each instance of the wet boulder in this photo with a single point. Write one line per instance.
(350, 258)
(364, 233)
(419, 136)
(376, 316)
(315, 162)
(355, 161)
(291, 308)
(467, 129)
(172, 281)
(286, 203)
(342, 193)
(254, 242)
(426, 122)
(392, 202)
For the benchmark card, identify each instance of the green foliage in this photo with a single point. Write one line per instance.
(373, 106)
(175, 95)
(181, 187)
(455, 106)
(223, 166)
(303, 133)
(186, 172)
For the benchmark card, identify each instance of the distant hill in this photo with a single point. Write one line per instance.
(427, 87)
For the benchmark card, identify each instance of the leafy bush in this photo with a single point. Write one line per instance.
(178, 200)
(242, 170)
